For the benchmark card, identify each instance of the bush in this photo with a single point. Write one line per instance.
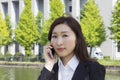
(28, 57)
(7, 56)
(33, 58)
(41, 58)
(37, 58)
(1, 56)
(107, 57)
(18, 56)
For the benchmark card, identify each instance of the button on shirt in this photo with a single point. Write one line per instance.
(66, 72)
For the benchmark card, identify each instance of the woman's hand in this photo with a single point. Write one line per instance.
(49, 62)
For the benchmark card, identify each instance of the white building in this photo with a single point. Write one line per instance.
(15, 7)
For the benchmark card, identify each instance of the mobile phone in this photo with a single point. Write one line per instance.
(52, 52)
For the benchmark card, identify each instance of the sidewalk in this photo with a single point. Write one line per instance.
(40, 65)
(22, 64)
(113, 68)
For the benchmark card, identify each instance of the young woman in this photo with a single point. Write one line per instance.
(67, 42)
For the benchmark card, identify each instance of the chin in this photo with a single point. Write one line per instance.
(61, 56)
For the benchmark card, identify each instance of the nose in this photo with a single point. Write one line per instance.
(59, 41)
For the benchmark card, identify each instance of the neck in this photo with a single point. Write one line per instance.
(66, 59)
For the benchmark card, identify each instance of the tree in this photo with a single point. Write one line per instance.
(115, 24)
(27, 31)
(39, 20)
(92, 25)
(56, 10)
(9, 26)
(4, 32)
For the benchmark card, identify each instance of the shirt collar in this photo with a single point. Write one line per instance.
(72, 63)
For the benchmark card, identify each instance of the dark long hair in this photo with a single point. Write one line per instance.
(81, 48)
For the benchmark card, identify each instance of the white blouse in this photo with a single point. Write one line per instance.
(66, 72)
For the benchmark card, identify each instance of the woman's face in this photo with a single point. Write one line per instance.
(63, 40)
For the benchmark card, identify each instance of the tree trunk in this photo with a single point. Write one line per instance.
(90, 51)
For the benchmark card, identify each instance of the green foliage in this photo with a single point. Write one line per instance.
(81, 13)
(9, 26)
(39, 22)
(115, 24)
(106, 57)
(57, 10)
(1, 55)
(18, 56)
(27, 32)
(8, 23)
(92, 25)
(109, 62)
(4, 32)
(7, 56)
(45, 29)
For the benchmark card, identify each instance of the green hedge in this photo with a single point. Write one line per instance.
(109, 62)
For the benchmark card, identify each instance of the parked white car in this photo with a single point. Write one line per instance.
(97, 53)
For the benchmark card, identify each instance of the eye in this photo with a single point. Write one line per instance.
(65, 35)
(54, 36)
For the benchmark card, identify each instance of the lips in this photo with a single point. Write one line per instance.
(60, 49)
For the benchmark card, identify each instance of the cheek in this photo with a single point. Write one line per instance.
(70, 42)
(53, 43)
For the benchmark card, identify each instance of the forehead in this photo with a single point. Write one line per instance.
(62, 28)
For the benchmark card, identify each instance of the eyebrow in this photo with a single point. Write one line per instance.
(60, 32)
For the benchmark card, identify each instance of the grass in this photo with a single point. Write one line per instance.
(109, 62)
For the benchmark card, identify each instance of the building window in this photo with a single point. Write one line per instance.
(118, 48)
(5, 9)
(70, 8)
(16, 10)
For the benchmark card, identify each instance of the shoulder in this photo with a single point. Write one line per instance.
(96, 70)
(94, 64)
(45, 74)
